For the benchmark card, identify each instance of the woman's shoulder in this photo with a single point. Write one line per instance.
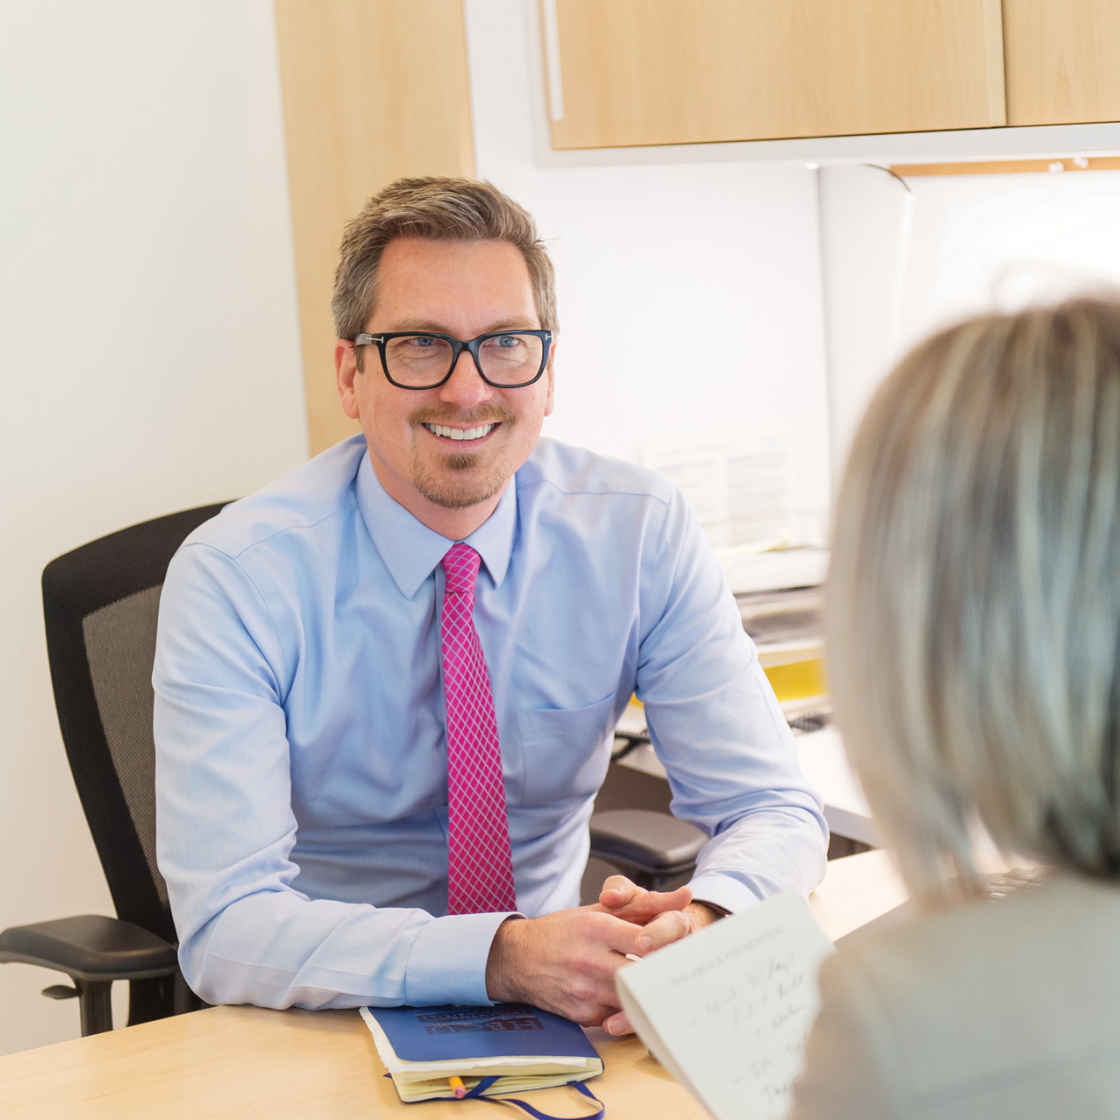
(1022, 920)
(1015, 997)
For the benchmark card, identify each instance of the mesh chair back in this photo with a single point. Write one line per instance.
(120, 642)
(100, 603)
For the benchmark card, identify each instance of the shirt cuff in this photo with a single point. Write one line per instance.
(722, 892)
(448, 959)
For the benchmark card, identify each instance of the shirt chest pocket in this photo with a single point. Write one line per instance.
(564, 751)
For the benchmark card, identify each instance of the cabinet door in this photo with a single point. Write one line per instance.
(373, 89)
(1063, 61)
(684, 71)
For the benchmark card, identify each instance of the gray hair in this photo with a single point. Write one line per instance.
(973, 607)
(444, 210)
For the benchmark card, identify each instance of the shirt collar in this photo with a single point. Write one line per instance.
(411, 550)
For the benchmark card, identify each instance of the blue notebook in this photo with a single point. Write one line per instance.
(521, 1047)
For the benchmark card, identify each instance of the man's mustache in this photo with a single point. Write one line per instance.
(458, 418)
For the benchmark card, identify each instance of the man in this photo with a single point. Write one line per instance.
(386, 685)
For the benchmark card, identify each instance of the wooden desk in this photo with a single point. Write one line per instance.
(245, 1062)
(238, 1062)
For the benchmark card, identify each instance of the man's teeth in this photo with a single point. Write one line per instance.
(460, 433)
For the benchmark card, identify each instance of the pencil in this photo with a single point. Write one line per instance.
(457, 1087)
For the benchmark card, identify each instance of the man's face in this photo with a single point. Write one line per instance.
(463, 289)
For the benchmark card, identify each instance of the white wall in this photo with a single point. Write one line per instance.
(901, 259)
(151, 354)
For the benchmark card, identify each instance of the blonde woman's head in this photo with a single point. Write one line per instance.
(974, 593)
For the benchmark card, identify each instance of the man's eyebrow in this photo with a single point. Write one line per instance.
(430, 326)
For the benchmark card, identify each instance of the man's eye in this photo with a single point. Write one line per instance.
(504, 342)
(415, 348)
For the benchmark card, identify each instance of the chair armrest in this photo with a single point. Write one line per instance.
(654, 843)
(90, 947)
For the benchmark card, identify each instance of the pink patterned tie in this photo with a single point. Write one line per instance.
(479, 871)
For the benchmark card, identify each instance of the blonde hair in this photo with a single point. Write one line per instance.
(444, 210)
(973, 606)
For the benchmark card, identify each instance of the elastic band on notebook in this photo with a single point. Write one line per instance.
(538, 1115)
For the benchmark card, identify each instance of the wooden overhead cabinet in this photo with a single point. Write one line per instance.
(1063, 61)
(636, 72)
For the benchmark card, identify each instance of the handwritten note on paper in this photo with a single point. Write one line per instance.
(727, 1010)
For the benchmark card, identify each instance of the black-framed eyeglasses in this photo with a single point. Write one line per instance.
(423, 360)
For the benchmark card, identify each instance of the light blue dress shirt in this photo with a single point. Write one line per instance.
(301, 775)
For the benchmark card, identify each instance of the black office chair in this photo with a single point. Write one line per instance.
(100, 603)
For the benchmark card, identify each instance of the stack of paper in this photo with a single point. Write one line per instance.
(728, 1009)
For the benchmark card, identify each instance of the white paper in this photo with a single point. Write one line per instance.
(742, 497)
(728, 1009)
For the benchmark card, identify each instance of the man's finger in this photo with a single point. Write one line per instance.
(617, 1024)
(617, 891)
(665, 928)
(660, 901)
(640, 905)
(621, 938)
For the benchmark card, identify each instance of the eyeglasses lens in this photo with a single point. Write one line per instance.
(420, 360)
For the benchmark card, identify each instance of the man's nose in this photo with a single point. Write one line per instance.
(465, 386)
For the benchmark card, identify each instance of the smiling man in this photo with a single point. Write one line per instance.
(386, 685)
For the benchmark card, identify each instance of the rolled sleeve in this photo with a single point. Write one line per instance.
(719, 731)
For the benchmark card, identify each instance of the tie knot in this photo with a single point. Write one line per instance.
(460, 565)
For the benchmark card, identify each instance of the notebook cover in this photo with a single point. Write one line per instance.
(453, 1031)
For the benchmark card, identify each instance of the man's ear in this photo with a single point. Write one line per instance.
(550, 400)
(346, 370)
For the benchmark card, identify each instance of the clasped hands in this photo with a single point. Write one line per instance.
(565, 961)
